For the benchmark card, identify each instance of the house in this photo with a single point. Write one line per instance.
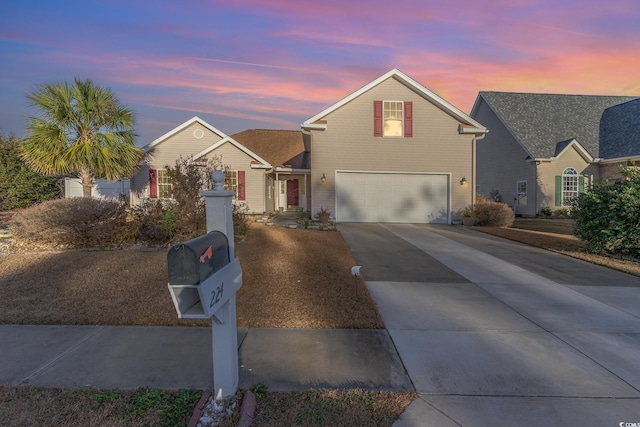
(268, 169)
(393, 151)
(619, 138)
(543, 149)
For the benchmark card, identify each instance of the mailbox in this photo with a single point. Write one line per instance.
(201, 275)
(191, 262)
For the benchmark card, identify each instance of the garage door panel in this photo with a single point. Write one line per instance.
(392, 197)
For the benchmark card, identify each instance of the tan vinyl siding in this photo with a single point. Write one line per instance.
(501, 163)
(139, 185)
(348, 144)
(184, 144)
(547, 171)
(236, 159)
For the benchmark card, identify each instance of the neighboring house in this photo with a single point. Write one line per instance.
(267, 169)
(619, 138)
(102, 189)
(393, 151)
(543, 149)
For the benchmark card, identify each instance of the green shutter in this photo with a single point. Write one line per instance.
(581, 184)
(559, 190)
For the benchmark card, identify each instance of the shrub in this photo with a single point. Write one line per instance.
(184, 216)
(154, 220)
(494, 214)
(75, 222)
(21, 187)
(546, 211)
(607, 217)
(239, 212)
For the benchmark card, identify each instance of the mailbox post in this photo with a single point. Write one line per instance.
(204, 276)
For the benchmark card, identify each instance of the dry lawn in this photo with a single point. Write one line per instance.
(291, 278)
(556, 235)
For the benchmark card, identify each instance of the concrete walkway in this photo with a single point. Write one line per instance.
(180, 357)
(497, 333)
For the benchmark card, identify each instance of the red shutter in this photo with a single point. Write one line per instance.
(408, 119)
(153, 183)
(377, 118)
(241, 192)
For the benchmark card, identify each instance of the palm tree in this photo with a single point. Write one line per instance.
(83, 130)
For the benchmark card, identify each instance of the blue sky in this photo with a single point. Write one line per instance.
(245, 64)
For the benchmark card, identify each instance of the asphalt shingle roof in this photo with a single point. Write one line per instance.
(542, 121)
(620, 131)
(278, 147)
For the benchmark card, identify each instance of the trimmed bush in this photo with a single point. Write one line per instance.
(75, 222)
(493, 214)
(607, 217)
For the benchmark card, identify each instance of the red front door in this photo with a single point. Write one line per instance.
(292, 193)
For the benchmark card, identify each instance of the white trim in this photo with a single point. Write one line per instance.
(411, 83)
(635, 158)
(181, 127)
(581, 150)
(311, 126)
(237, 145)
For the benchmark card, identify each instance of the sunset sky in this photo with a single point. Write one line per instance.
(243, 64)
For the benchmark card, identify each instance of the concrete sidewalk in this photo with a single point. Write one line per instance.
(180, 357)
(503, 334)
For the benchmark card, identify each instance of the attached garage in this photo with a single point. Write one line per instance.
(365, 196)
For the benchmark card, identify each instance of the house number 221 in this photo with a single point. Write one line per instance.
(216, 294)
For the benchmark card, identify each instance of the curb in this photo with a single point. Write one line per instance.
(247, 409)
(197, 411)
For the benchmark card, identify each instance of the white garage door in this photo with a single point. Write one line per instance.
(392, 197)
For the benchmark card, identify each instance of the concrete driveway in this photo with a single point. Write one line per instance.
(492, 332)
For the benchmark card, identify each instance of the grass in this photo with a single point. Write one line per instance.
(556, 235)
(30, 406)
(291, 279)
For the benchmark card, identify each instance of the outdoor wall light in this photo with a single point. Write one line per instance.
(323, 178)
(463, 181)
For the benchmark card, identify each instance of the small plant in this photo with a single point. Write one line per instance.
(467, 213)
(546, 211)
(323, 215)
(562, 212)
(259, 390)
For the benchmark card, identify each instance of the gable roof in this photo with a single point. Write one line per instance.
(281, 148)
(539, 121)
(411, 84)
(230, 140)
(184, 125)
(620, 131)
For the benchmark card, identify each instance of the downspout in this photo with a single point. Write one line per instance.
(476, 138)
(309, 183)
(277, 195)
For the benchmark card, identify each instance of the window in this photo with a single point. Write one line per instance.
(231, 180)
(392, 116)
(165, 189)
(393, 119)
(234, 181)
(522, 193)
(569, 186)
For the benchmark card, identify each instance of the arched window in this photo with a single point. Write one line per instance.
(570, 186)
